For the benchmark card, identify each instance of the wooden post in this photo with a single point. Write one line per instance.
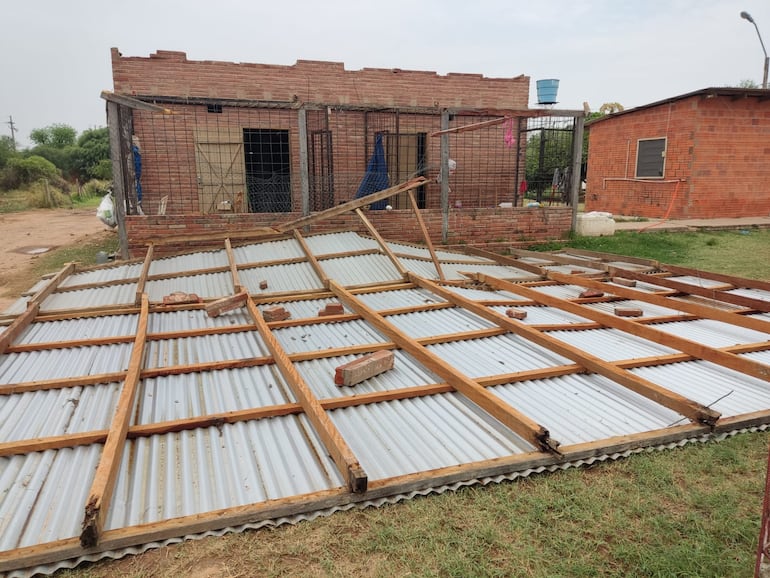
(118, 175)
(426, 235)
(444, 177)
(304, 174)
(106, 474)
(577, 163)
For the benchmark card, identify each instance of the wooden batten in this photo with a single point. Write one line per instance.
(233, 266)
(311, 258)
(426, 235)
(383, 245)
(142, 281)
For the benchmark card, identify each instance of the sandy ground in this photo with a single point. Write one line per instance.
(27, 235)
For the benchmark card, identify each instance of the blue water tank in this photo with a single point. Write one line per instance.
(546, 90)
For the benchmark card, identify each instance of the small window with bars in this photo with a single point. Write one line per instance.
(650, 158)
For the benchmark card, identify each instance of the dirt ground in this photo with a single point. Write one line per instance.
(27, 235)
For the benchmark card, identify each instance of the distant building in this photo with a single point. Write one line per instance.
(704, 154)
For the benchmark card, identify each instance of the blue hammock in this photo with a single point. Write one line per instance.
(376, 177)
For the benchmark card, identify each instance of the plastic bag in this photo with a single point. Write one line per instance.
(106, 211)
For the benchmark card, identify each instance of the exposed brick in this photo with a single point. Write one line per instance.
(331, 309)
(628, 312)
(181, 298)
(591, 293)
(275, 313)
(514, 313)
(216, 308)
(263, 285)
(363, 368)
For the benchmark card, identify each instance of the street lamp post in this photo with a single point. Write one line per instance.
(747, 16)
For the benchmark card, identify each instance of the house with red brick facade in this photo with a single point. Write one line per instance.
(206, 146)
(703, 154)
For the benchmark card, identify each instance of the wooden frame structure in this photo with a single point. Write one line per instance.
(664, 287)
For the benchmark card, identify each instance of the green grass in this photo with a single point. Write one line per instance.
(691, 511)
(745, 253)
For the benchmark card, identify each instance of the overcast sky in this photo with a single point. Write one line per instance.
(55, 54)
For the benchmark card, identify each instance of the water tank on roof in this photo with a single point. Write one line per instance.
(546, 90)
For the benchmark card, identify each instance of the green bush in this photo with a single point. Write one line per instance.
(94, 188)
(25, 171)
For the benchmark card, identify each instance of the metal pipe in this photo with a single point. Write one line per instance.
(746, 16)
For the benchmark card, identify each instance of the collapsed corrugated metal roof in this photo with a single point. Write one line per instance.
(125, 420)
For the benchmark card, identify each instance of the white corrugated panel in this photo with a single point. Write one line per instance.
(583, 408)
(438, 322)
(63, 363)
(640, 286)
(296, 277)
(697, 281)
(173, 397)
(317, 337)
(402, 437)
(17, 307)
(43, 495)
(192, 472)
(383, 300)
(331, 243)
(453, 270)
(729, 392)
(540, 315)
(192, 262)
(404, 249)
(83, 328)
(361, 270)
(207, 286)
(496, 355)
(753, 293)
(570, 269)
(713, 333)
(203, 349)
(422, 268)
(561, 291)
(479, 295)
(319, 375)
(124, 294)
(103, 274)
(648, 309)
(268, 251)
(194, 319)
(612, 344)
(53, 412)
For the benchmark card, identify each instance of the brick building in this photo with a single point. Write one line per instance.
(704, 154)
(255, 144)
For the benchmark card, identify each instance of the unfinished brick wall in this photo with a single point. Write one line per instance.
(486, 167)
(718, 147)
(170, 73)
(467, 226)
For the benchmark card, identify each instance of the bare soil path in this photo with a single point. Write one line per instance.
(26, 235)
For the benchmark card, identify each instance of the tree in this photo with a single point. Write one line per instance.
(26, 170)
(747, 83)
(55, 135)
(94, 154)
(7, 150)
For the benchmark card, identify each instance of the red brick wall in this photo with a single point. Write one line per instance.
(469, 226)
(169, 73)
(718, 147)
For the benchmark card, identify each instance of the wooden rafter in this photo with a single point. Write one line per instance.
(524, 426)
(382, 243)
(142, 281)
(674, 401)
(347, 463)
(100, 495)
(697, 350)
(233, 266)
(426, 235)
(311, 258)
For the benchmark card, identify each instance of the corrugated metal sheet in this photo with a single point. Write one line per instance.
(361, 270)
(713, 333)
(402, 298)
(583, 408)
(332, 243)
(479, 295)
(105, 275)
(538, 315)
(83, 328)
(208, 286)
(697, 281)
(571, 269)
(404, 249)
(452, 271)
(753, 293)
(182, 263)
(423, 268)
(612, 344)
(268, 251)
(648, 309)
(318, 337)
(204, 349)
(63, 363)
(194, 319)
(295, 277)
(124, 294)
(438, 322)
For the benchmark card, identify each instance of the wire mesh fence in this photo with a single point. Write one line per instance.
(210, 157)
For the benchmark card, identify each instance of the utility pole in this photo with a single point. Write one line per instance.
(13, 131)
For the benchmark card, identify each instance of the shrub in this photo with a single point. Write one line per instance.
(25, 171)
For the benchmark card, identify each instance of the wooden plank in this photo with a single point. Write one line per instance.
(651, 263)
(383, 245)
(311, 258)
(714, 294)
(352, 205)
(100, 495)
(134, 103)
(237, 287)
(728, 279)
(527, 428)
(471, 127)
(142, 282)
(695, 309)
(426, 235)
(338, 449)
(697, 350)
(23, 321)
(674, 401)
(505, 260)
(254, 234)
